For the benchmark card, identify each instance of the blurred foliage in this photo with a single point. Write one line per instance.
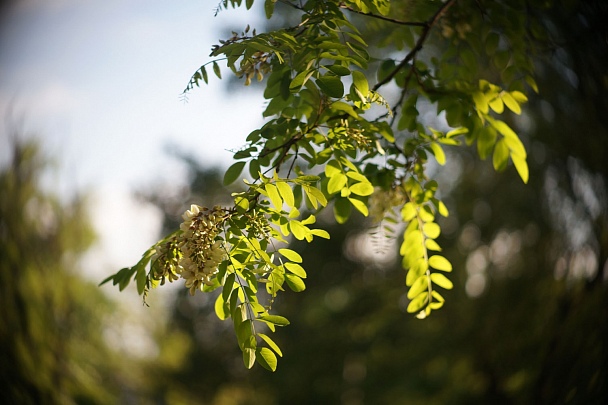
(53, 323)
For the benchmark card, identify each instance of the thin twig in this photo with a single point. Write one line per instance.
(380, 17)
(423, 36)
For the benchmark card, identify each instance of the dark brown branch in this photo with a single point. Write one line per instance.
(380, 17)
(423, 36)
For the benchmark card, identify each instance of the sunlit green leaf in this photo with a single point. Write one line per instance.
(440, 263)
(421, 284)
(296, 269)
(249, 357)
(431, 229)
(438, 152)
(442, 281)
(362, 189)
(266, 358)
(501, 155)
(360, 206)
(275, 320)
(291, 255)
(286, 193)
(336, 183)
(417, 303)
(271, 343)
(295, 283)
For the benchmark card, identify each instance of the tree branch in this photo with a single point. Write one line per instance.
(379, 17)
(423, 36)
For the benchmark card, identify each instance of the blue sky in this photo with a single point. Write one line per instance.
(99, 82)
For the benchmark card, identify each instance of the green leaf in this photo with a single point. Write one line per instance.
(342, 210)
(331, 85)
(274, 195)
(295, 283)
(501, 155)
(442, 281)
(286, 193)
(338, 69)
(360, 82)
(244, 334)
(321, 233)
(511, 103)
(417, 303)
(362, 188)
(438, 152)
(298, 230)
(233, 172)
(296, 269)
(421, 284)
(440, 263)
(481, 103)
(408, 212)
(497, 105)
(430, 244)
(521, 166)
(266, 358)
(228, 286)
(360, 206)
(140, 277)
(298, 81)
(317, 194)
(216, 70)
(291, 255)
(275, 320)
(336, 183)
(249, 357)
(221, 309)
(271, 343)
(486, 141)
(431, 229)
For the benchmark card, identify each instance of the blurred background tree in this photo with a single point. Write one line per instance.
(53, 323)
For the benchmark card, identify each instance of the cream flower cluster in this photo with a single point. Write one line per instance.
(196, 253)
(383, 201)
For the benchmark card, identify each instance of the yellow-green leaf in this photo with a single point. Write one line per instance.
(286, 193)
(266, 358)
(417, 303)
(298, 230)
(521, 166)
(440, 263)
(363, 188)
(420, 285)
(274, 195)
(336, 183)
(291, 255)
(431, 229)
(271, 343)
(501, 155)
(432, 245)
(438, 152)
(511, 103)
(442, 281)
(408, 212)
(249, 357)
(296, 269)
(295, 283)
(359, 205)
